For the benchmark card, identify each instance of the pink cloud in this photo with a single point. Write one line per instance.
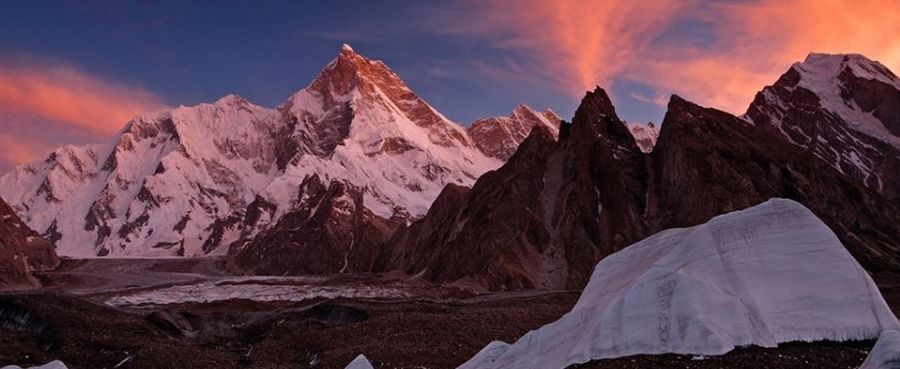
(18, 150)
(67, 96)
(579, 44)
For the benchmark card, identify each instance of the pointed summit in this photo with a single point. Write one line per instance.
(346, 49)
(595, 105)
(845, 109)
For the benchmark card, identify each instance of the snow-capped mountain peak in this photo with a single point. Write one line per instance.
(845, 108)
(180, 181)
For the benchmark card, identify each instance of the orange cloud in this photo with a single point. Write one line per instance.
(17, 150)
(757, 41)
(64, 95)
(746, 44)
(577, 43)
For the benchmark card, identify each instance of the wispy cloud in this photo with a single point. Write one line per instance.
(45, 105)
(732, 49)
(17, 150)
(578, 44)
(64, 95)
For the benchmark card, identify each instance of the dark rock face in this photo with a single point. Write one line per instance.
(22, 251)
(845, 109)
(535, 221)
(546, 217)
(330, 232)
(710, 162)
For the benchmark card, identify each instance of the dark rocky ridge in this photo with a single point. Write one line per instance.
(547, 216)
(22, 251)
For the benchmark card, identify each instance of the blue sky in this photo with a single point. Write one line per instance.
(192, 52)
(76, 71)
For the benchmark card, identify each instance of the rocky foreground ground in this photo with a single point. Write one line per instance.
(435, 329)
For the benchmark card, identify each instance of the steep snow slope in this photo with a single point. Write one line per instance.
(191, 180)
(393, 144)
(499, 137)
(645, 135)
(158, 188)
(843, 108)
(886, 353)
(768, 274)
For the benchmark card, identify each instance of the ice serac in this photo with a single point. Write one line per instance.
(360, 362)
(191, 181)
(843, 108)
(499, 137)
(769, 274)
(535, 222)
(22, 251)
(645, 135)
(56, 364)
(886, 353)
(556, 208)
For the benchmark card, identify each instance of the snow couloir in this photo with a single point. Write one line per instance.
(761, 276)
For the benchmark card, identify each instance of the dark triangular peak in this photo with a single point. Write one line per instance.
(690, 121)
(596, 118)
(544, 218)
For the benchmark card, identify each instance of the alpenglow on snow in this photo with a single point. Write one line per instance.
(181, 182)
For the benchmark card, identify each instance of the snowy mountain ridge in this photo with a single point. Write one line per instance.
(499, 137)
(843, 108)
(182, 182)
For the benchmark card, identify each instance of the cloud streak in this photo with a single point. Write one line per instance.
(43, 106)
(717, 54)
(18, 149)
(66, 96)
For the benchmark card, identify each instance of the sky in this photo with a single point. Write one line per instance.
(73, 72)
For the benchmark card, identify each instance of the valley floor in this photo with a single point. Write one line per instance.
(116, 313)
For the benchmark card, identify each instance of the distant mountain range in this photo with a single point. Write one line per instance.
(192, 180)
(356, 173)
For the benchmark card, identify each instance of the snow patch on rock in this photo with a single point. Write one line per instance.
(360, 363)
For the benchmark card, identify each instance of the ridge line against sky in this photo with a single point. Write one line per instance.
(73, 72)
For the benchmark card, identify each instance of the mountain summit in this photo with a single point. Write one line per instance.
(843, 108)
(191, 180)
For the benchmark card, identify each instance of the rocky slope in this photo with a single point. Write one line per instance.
(845, 109)
(192, 180)
(22, 251)
(549, 214)
(542, 219)
(499, 137)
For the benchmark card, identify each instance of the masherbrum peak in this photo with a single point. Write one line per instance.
(192, 180)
